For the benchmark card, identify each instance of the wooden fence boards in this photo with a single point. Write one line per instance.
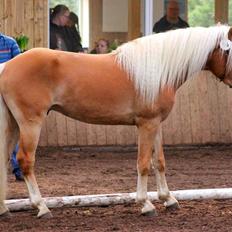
(29, 17)
(202, 113)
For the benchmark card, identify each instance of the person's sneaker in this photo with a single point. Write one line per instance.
(19, 178)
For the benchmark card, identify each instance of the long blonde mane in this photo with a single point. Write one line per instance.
(168, 58)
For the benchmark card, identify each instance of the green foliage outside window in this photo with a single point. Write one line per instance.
(201, 12)
(230, 12)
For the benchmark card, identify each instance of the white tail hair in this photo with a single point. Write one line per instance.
(168, 58)
(3, 152)
(4, 114)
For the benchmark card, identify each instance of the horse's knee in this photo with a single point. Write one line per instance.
(144, 166)
(26, 162)
(161, 165)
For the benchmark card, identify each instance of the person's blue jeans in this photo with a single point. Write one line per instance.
(14, 162)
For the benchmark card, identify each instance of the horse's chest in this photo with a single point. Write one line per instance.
(165, 103)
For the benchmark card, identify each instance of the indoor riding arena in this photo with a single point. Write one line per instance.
(98, 150)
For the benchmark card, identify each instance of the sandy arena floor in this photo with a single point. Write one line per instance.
(62, 172)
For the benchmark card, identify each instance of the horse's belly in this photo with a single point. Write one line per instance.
(107, 115)
(114, 120)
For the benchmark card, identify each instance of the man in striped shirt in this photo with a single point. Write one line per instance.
(8, 50)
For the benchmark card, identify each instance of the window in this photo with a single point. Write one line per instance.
(81, 8)
(201, 12)
(230, 12)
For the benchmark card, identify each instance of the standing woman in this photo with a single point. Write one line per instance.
(58, 20)
(73, 35)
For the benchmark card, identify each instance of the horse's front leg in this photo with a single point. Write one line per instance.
(158, 163)
(29, 136)
(146, 134)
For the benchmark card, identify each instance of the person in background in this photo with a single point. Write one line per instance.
(72, 37)
(8, 50)
(101, 47)
(171, 20)
(59, 17)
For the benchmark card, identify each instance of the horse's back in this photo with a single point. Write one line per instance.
(91, 88)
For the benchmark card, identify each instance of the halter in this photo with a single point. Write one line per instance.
(225, 46)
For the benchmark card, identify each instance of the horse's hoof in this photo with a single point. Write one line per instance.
(152, 213)
(47, 215)
(7, 214)
(173, 207)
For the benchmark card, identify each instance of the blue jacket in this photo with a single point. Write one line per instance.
(8, 48)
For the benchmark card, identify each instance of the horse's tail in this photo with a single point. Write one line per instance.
(3, 148)
(4, 120)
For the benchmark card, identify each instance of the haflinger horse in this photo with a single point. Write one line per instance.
(134, 85)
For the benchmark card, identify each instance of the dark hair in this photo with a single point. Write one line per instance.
(58, 9)
(74, 18)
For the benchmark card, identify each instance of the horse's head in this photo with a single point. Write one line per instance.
(220, 61)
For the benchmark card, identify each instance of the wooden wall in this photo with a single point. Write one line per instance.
(95, 27)
(202, 112)
(221, 11)
(29, 17)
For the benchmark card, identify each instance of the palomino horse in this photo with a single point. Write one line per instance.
(135, 85)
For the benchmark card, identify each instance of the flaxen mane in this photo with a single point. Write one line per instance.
(169, 58)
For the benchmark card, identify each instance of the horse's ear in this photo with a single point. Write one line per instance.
(230, 34)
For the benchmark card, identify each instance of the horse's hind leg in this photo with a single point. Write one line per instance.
(158, 162)
(28, 140)
(147, 131)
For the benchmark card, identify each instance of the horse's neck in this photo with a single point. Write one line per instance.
(181, 81)
(189, 76)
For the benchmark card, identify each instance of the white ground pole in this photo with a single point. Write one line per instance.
(118, 198)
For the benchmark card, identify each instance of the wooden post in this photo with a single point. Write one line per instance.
(221, 11)
(133, 19)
